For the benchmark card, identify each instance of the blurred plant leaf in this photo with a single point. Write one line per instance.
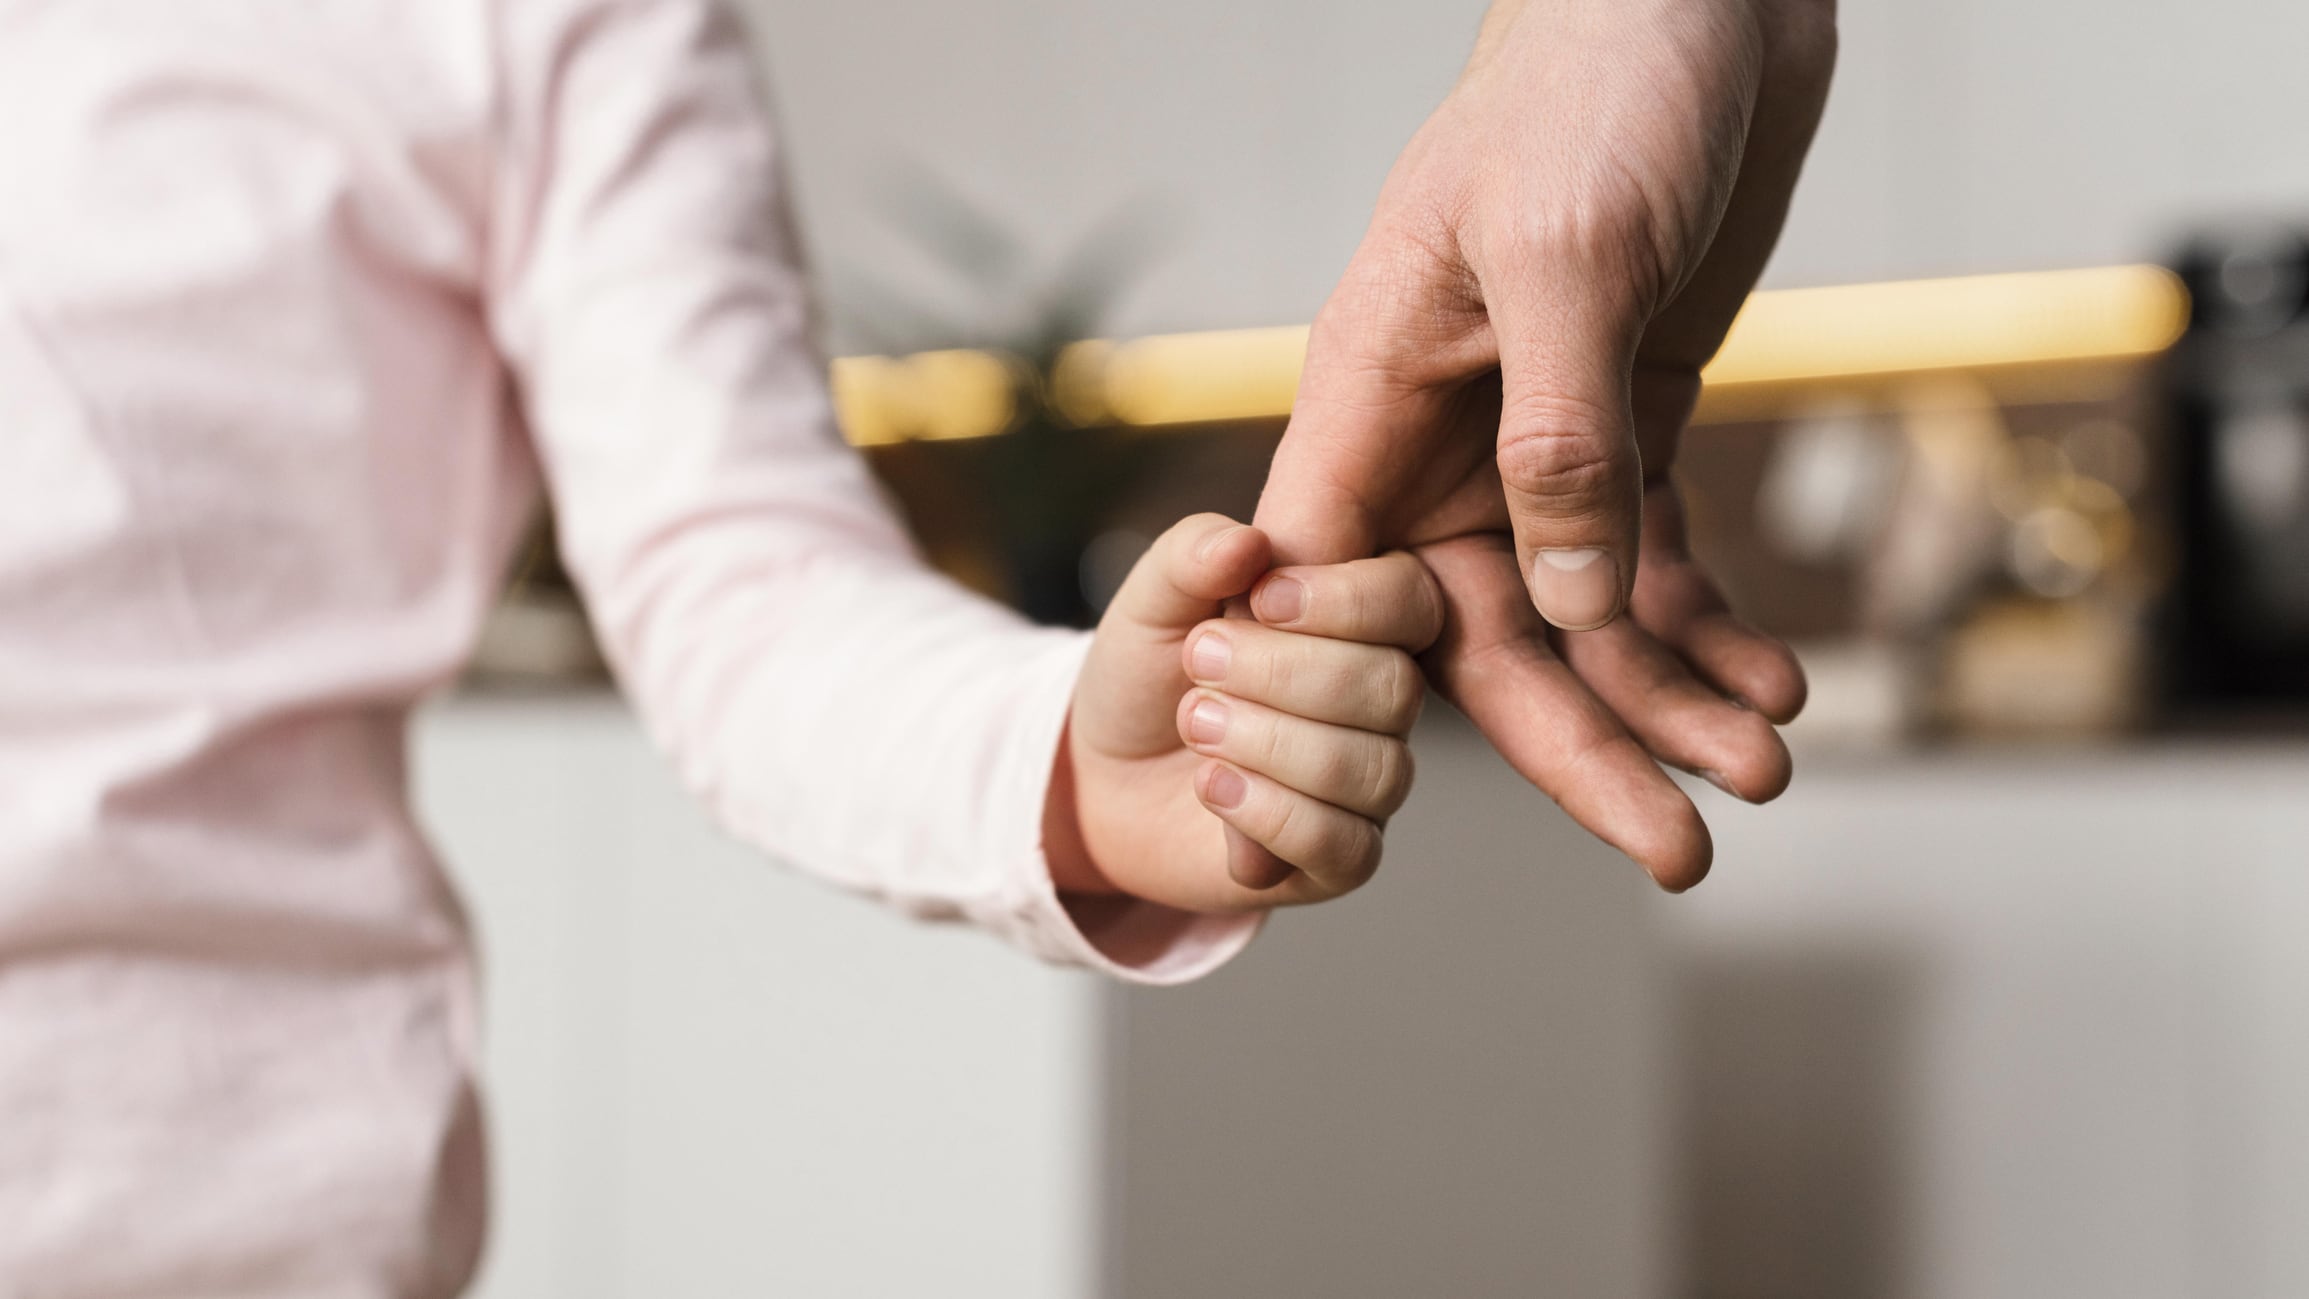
(1121, 248)
(964, 234)
(876, 317)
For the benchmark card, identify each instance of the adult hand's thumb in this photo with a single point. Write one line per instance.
(1568, 459)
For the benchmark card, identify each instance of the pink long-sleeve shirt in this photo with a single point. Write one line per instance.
(300, 305)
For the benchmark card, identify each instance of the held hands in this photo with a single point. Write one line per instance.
(1498, 383)
(1199, 744)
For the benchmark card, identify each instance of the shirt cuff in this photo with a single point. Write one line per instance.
(1123, 937)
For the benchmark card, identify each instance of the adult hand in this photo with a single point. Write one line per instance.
(1502, 374)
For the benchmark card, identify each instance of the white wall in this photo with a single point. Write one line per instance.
(2002, 1025)
(1987, 134)
(1964, 134)
(1451, 1084)
(1265, 127)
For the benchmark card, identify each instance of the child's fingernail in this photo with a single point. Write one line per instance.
(1577, 590)
(1226, 788)
(1211, 656)
(1281, 600)
(1208, 723)
(1716, 778)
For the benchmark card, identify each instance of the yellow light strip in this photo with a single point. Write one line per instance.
(1795, 336)
(1234, 374)
(2040, 317)
(926, 397)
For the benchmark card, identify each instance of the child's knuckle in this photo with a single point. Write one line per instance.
(1339, 768)
(1361, 610)
(1287, 835)
(1429, 602)
(1390, 775)
(1279, 668)
(1405, 689)
(1356, 856)
(1272, 746)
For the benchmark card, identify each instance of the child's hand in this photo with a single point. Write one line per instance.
(1289, 729)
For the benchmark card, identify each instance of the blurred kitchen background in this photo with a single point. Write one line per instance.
(2007, 996)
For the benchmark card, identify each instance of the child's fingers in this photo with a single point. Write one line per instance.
(1368, 687)
(1390, 600)
(1201, 561)
(1361, 771)
(1337, 850)
(1133, 678)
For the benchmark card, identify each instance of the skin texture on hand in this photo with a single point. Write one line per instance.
(1501, 377)
(1203, 749)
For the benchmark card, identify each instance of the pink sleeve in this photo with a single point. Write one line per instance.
(835, 702)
